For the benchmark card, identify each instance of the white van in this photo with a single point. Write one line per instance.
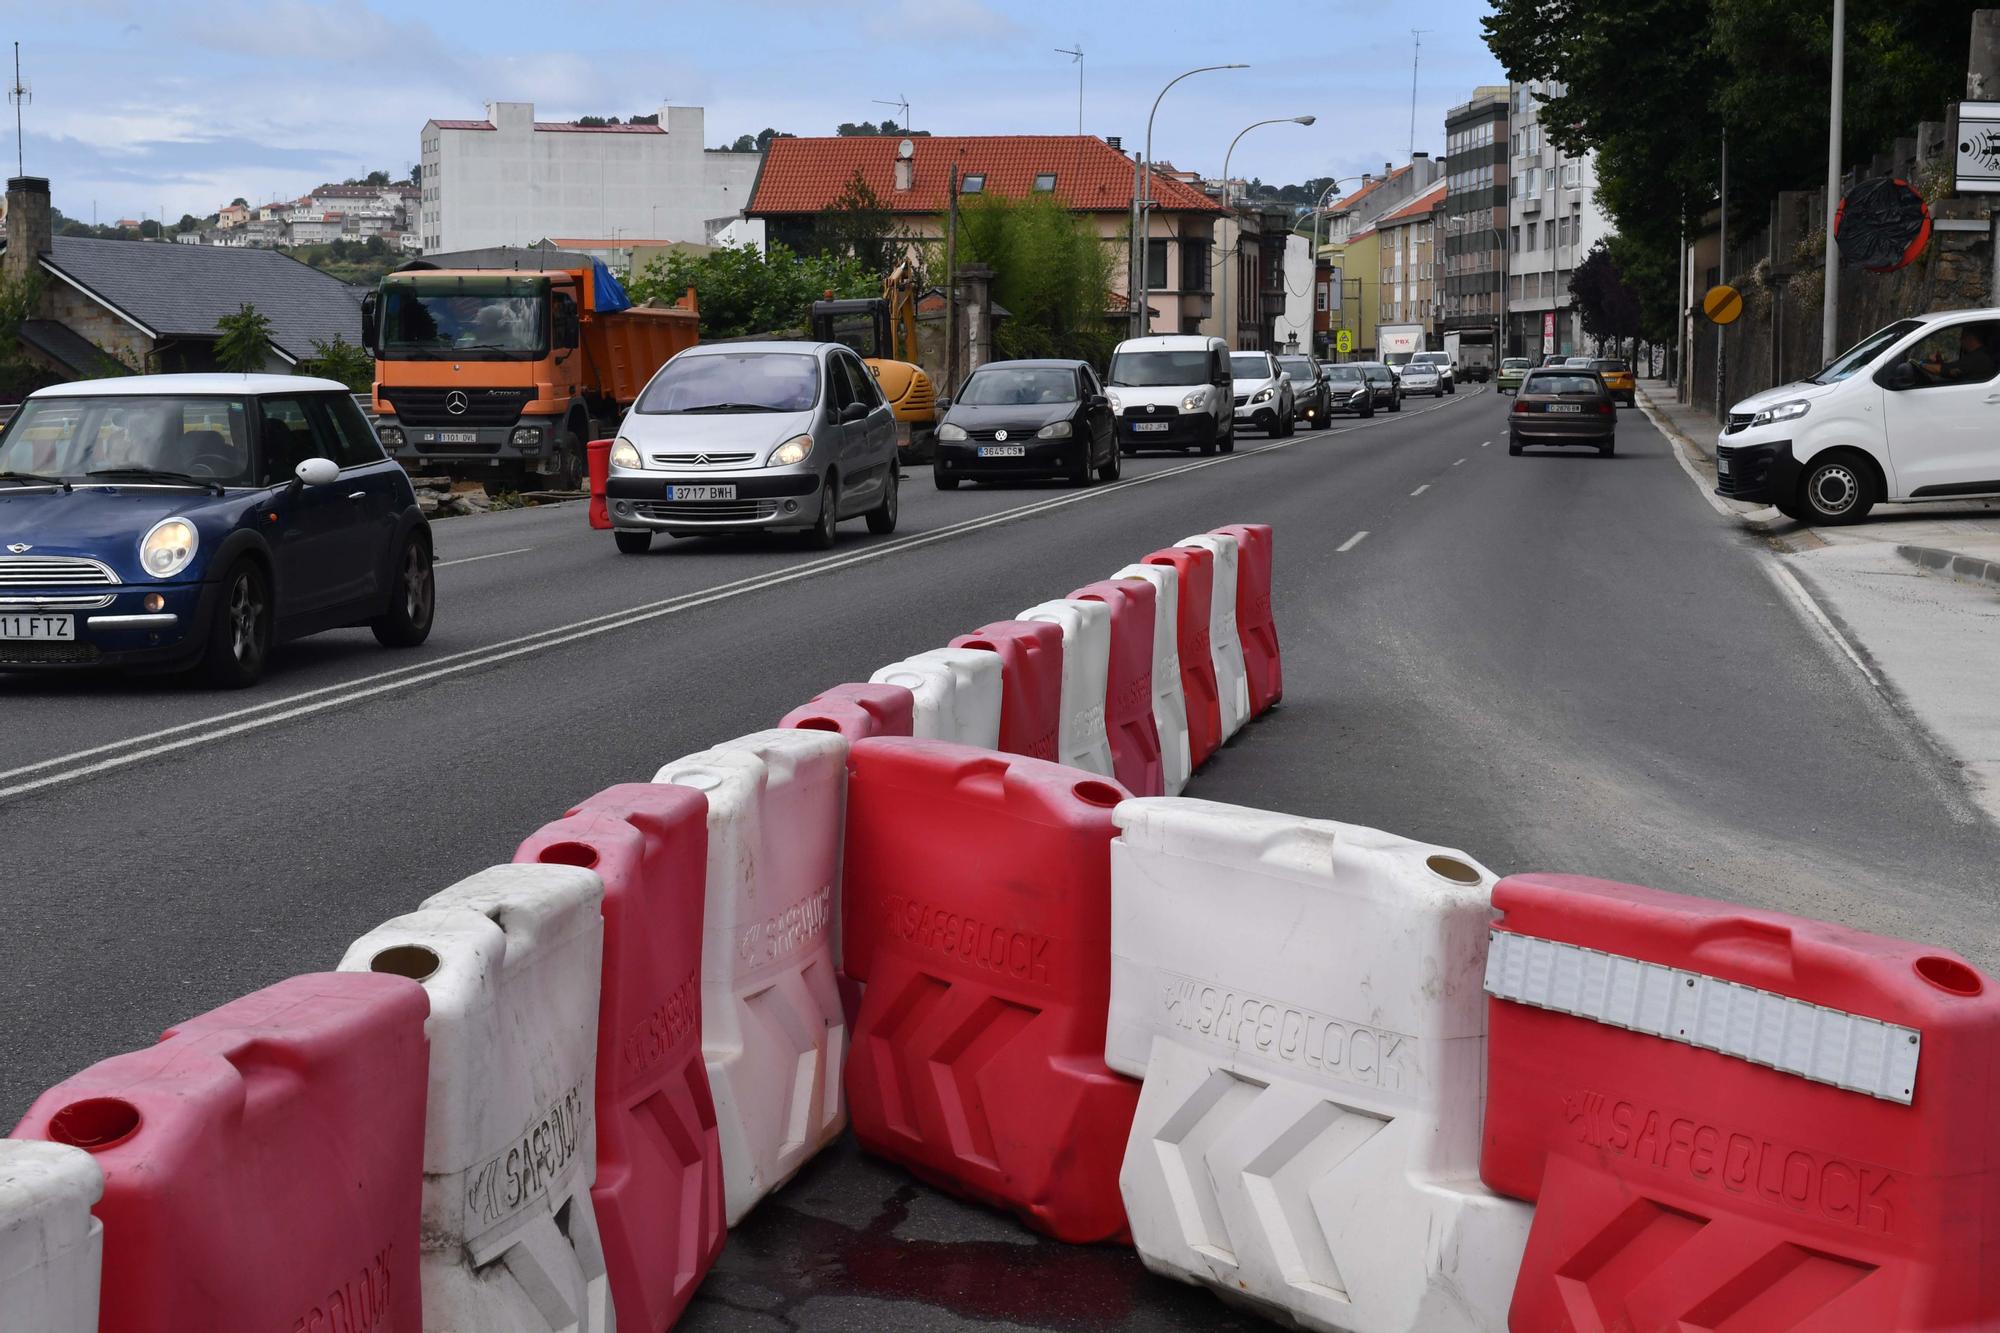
(1172, 391)
(1911, 412)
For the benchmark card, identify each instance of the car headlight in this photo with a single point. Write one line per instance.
(1360, 395)
(950, 433)
(1791, 411)
(1195, 401)
(1117, 403)
(391, 436)
(168, 547)
(625, 454)
(792, 451)
(1263, 395)
(1055, 430)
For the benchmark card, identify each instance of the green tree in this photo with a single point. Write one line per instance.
(744, 144)
(376, 178)
(741, 292)
(20, 299)
(1051, 271)
(188, 222)
(341, 360)
(1609, 307)
(765, 135)
(245, 344)
(150, 229)
(239, 202)
(859, 224)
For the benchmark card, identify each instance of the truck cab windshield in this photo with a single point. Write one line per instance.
(418, 325)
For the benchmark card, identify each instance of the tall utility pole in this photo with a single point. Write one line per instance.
(1722, 275)
(1142, 209)
(951, 288)
(20, 95)
(1829, 315)
(1416, 54)
(1077, 57)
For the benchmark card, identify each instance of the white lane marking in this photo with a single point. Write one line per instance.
(1420, 490)
(1341, 549)
(1807, 603)
(261, 715)
(1459, 461)
(1484, 443)
(490, 555)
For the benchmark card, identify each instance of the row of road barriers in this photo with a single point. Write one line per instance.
(1349, 1080)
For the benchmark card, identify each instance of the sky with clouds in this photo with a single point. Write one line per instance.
(143, 109)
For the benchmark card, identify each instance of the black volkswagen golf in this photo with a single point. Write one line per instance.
(1027, 419)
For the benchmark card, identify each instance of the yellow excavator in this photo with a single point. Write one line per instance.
(884, 331)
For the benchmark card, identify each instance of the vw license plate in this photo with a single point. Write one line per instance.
(1149, 425)
(61, 628)
(701, 492)
(1003, 451)
(1565, 407)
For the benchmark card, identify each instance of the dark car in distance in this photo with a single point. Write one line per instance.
(1310, 395)
(1027, 419)
(1348, 389)
(1560, 406)
(175, 522)
(1388, 386)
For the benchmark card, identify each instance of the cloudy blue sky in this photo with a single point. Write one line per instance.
(140, 109)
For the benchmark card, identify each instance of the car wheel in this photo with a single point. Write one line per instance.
(1079, 475)
(634, 543)
(822, 534)
(943, 480)
(1514, 445)
(882, 518)
(1112, 469)
(1837, 488)
(1369, 410)
(1451, 388)
(568, 474)
(1207, 448)
(412, 598)
(1606, 449)
(239, 633)
(1396, 403)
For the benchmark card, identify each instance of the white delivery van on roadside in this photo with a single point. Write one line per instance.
(1909, 413)
(1172, 391)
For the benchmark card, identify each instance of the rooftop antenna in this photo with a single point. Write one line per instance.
(901, 101)
(1415, 55)
(1077, 57)
(20, 94)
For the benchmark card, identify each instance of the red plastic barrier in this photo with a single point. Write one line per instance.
(1128, 693)
(658, 1193)
(263, 1164)
(1254, 624)
(1806, 1144)
(983, 929)
(1030, 682)
(597, 454)
(1196, 568)
(856, 711)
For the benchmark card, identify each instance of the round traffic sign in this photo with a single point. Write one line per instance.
(1722, 304)
(1343, 342)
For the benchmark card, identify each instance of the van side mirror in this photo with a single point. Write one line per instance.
(371, 305)
(1902, 375)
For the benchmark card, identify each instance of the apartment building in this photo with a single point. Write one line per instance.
(1406, 254)
(1473, 297)
(1552, 221)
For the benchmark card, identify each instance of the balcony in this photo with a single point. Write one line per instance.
(1531, 205)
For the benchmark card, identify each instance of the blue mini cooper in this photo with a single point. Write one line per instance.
(189, 522)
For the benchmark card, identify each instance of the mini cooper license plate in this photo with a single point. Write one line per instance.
(49, 628)
(701, 492)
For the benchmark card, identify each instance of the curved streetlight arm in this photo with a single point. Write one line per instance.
(1143, 204)
(1229, 255)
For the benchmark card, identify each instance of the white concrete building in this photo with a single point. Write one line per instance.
(1552, 221)
(511, 180)
(1294, 330)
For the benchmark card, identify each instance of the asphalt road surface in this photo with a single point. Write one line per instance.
(1552, 662)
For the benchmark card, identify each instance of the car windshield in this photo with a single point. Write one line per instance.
(1434, 358)
(1863, 352)
(1349, 373)
(419, 324)
(1380, 374)
(1564, 386)
(1419, 369)
(1010, 387)
(723, 382)
(1250, 367)
(1158, 368)
(1296, 367)
(1614, 367)
(127, 437)
(1398, 358)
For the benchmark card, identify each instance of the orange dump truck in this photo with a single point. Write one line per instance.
(502, 373)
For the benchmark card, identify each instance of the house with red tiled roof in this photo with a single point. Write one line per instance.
(802, 178)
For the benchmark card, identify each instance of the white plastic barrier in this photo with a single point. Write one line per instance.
(957, 694)
(511, 958)
(1081, 741)
(772, 1031)
(1304, 1001)
(1225, 643)
(51, 1248)
(1169, 704)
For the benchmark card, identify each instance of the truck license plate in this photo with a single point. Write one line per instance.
(38, 627)
(701, 492)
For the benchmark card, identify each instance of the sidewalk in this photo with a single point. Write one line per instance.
(1957, 539)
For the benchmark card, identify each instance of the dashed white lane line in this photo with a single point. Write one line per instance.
(1350, 543)
(1420, 490)
(1484, 443)
(490, 555)
(1459, 461)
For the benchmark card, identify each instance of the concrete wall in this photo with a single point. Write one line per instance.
(1297, 321)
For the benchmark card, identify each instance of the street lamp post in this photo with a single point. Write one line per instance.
(1229, 257)
(1142, 203)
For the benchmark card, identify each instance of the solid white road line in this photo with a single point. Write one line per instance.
(490, 555)
(307, 702)
(1341, 549)
(1813, 611)
(1420, 490)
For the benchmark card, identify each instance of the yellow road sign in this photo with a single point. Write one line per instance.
(1343, 342)
(1722, 304)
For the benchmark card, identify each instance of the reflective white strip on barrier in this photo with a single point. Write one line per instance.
(976, 693)
(51, 1248)
(1759, 1026)
(934, 707)
(1169, 704)
(1081, 740)
(1302, 999)
(772, 1031)
(512, 959)
(1225, 642)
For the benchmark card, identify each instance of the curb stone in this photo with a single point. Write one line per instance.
(1952, 565)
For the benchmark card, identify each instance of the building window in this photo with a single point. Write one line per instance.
(1194, 266)
(973, 184)
(1156, 264)
(1045, 183)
